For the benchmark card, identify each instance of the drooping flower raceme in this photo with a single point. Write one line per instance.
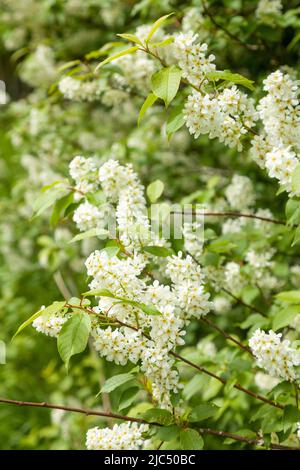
(274, 355)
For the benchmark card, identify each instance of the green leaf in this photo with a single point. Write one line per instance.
(158, 251)
(127, 398)
(289, 296)
(93, 232)
(59, 208)
(296, 238)
(285, 317)
(295, 183)
(149, 101)
(175, 121)
(130, 37)
(98, 293)
(155, 190)
(167, 433)
(190, 440)
(111, 251)
(291, 415)
(116, 381)
(165, 83)
(157, 25)
(202, 412)
(48, 198)
(50, 310)
(158, 415)
(73, 336)
(131, 50)
(69, 65)
(165, 42)
(230, 77)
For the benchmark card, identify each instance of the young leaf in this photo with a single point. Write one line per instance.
(165, 83)
(130, 37)
(202, 412)
(190, 439)
(116, 381)
(154, 190)
(116, 56)
(149, 101)
(158, 251)
(157, 25)
(296, 179)
(127, 398)
(73, 336)
(289, 296)
(230, 77)
(47, 199)
(164, 42)
(175, 121)
(59, 208)
(93, 232)
(51, 309)
(285, 317)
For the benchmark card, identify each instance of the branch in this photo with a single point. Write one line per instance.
(231, 214)
(240, 301)
(249, 47)
(226, 335)
(88, 412)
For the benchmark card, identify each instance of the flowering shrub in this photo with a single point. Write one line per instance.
(156, 197)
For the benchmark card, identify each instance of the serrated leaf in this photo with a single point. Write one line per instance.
(165, 83)
(230, 77)
(165, 42)
(289, 296)
(158, 251)
(202, 412)
(175, 120)
(155, 190)
(50, 310)
(130, 37)
(190, 440)
(73, 336)
(131, 50)
(47, 199)
(285, 317)
(59, 208)
(295, 181)
(149, 101)
(158, 415)
(157, 25)
(114, 382)
(128, 397)
(167, 433)
(93, 232)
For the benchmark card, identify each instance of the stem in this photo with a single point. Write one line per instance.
(249, 47)
(296, 395)
(89, 412)
(240, 301)
(226, 335)
(231, 214)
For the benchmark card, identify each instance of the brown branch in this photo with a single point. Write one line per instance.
(241, 302)
(249, 47)
(230, 214)
(226, 335)
(88, 412)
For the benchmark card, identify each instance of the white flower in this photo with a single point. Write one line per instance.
(277, 357)
(280, 163)
(240, 193)
(87, 216)
(49, 325)
(126, 436)
(266, 9)
(79, 90)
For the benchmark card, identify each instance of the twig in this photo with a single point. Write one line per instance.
(226, 335)
(230, 214)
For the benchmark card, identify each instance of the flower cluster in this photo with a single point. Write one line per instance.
(50, 325)
(279, 111)
(126, 436)
(80, 90)
(240, 193)
(227, 115)
(267, 9)
(274, 355)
